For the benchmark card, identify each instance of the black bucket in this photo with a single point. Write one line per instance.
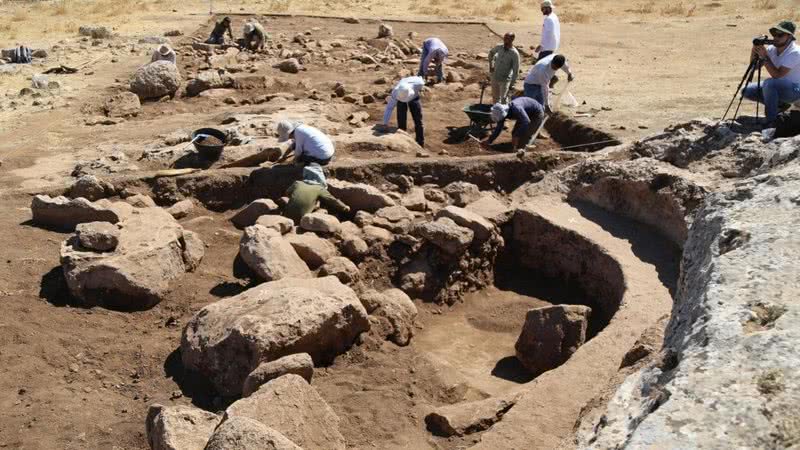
(209, 151)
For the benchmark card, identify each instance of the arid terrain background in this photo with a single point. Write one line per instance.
(83, 378)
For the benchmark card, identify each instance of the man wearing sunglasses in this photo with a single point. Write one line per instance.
(782, 62)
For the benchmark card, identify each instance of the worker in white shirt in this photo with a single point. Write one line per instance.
(537, 82)
(405, 96)
(551, 31)
(308, 144)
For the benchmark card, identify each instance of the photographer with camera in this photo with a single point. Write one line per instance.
(782, 61)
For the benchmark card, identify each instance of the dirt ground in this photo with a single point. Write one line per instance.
(82, 378)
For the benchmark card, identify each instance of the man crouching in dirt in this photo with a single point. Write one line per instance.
(309, 145)
(303, 195)
(254, 36)
(218, 33)
(164, 53)
(433, 51)
(405, 96)
(528, 114)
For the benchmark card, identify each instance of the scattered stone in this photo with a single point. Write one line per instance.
(312, 249)
(397, 218)
(39, 53)
(292, 407)
(481, 227)
(551, 335)
(291, 65)
(415, 200)
(359, 196)
(156, 80)
(436, 195)
(363, 218)
(181, 209)
(124, 104)
(392, 314)
(298, 364)
(376, 235)
(491, 208)
(269, 255)
(385, 31)
(354, 247)
(179, 427)
(95, 32)
(250, 214)
(467, 418)
(91, 188)
(100, 236)
(206, 80)
(351, 20)
(152, 250)
(358, 118)
(173, 33)
(446, 234)
(462, 192)
(340, 267)
(140, 201)
(64, 214)
(242, 433)
(454, 77)
(320, 222)
(226, 340)
(280, 224)
(350, 99)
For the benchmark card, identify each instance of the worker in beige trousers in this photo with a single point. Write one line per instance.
(503, 68)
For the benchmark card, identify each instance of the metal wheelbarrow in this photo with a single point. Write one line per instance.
(479, 114)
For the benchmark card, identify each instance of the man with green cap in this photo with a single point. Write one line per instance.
(303, 195)
(782, 62)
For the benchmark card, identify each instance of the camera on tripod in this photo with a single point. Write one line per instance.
(763, 40)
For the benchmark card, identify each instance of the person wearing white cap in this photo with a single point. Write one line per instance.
(551, 31)
(528, 114)
(406, 96)
(164, 53)
(433, 51)
(309, 145)
(254, 36)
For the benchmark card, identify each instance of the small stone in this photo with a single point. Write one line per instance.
(320, 222)
(181, 209)
(140, 201)
(298, 364)
(279, 223)
(342, 268)
(100, 236)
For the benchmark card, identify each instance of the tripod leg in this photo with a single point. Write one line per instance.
(760, 93)
(749, 80)
(747, 75)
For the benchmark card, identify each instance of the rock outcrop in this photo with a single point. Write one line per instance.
(228, 339)
(359, 197)
(64, 214)
(179, 427)
(241, 433)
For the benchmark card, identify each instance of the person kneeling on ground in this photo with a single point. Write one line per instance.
(405, 96)
(164, 53)
(433, 51)
(303, 195)
(537, 82)
(309, 145)
(528, 114)
(782, 61)
(218, 33)
(254, 36)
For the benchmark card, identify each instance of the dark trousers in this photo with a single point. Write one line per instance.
(416, 113)
(543, 55)
(306, 160)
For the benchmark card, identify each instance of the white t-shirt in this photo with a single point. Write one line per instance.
(541, 73)
(790, 58)
(551, 33)
(312, 142)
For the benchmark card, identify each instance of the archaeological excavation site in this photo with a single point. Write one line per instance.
(587, 292)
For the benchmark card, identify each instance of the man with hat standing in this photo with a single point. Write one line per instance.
(551, 31)
(309, 144)
(503, 68)
(782, 62)
(405, 96)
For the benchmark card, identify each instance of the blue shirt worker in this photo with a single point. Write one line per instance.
(405, 96)
(309, 145)
(433, 51)
(528, 114)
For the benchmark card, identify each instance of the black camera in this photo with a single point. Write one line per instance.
(763, 40)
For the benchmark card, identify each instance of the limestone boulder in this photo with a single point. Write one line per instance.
(365, 139)
(124, 104)
(446, 234)
(291, 65)
(312, 249)
(181, 209)
(250, 213)
(341, 268)
(551, 335)
(385, 31)
(396, 219)
(230, 338)
(491, 208)
(155, 80)
(320, 222)
(269, 255)
(152, 250)
(179, 427)
(242, 433)
(467, 418)
(299, 364)
(359, 197)
(206, 80)
(482, 228)
(280, 224)
(415, 200)
(64, 214)
(100, 236)
(292, 407)
(393, 312)
(91, 188)
(140, 201)
(462, 192)
(354, 247)
(375, 235)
